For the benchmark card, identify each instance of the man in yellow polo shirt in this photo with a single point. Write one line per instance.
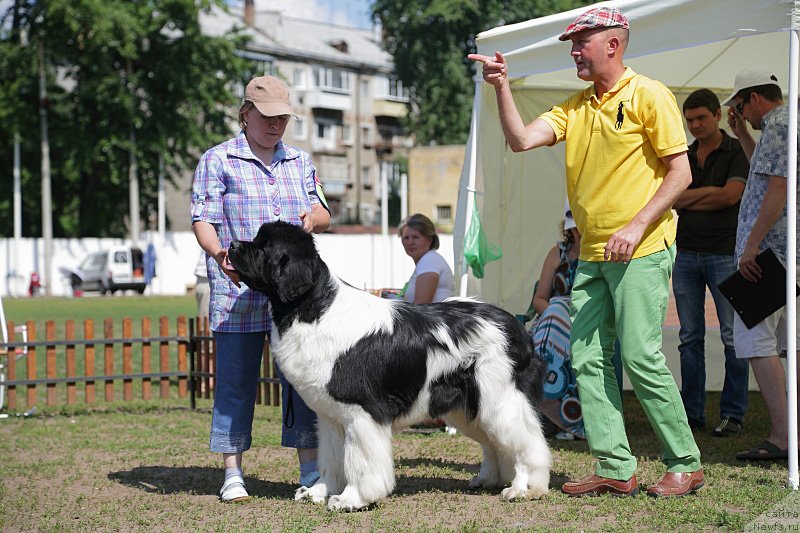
(626, 164)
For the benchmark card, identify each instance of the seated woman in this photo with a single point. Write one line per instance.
(550, 331)
(432, 280)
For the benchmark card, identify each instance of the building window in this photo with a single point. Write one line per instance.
(365, 88)
(366, 135)
(299, 78)
(444, 214)
(397, 90)
(347, 134)
(332, 79)
(323, 129)
(366, 177)
(391, 89)
(367, 216)
(300, 128)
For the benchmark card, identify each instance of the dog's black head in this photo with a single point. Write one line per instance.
(281, 262)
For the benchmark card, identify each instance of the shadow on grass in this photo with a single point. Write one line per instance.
(192, 480)
(206, 481)
(407, 485)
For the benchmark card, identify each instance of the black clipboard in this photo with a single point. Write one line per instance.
(754, 302)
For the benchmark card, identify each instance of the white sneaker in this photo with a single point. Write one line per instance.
(233, 490)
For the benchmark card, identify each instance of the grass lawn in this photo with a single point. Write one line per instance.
(146, 467)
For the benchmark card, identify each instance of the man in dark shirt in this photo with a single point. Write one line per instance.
(707, 217)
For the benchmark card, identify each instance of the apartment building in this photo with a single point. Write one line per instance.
(349, 106)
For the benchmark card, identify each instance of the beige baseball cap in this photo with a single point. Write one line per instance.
(270, 96)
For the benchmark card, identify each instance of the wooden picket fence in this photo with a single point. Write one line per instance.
(185, 359)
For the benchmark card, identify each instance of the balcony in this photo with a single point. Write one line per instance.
(388, 143)
(333, 188)
(323, 99)
(389, 108)
(328, 146)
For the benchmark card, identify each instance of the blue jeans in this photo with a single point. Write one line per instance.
(693, 272)
(238, 363)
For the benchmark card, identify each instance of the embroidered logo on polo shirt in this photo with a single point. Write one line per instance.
(620, 117)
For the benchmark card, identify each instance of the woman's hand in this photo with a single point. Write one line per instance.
(221, 257)
(307, 221)
(316, 220)
(209, 242)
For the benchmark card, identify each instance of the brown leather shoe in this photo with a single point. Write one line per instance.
(596, 485)
(677, 484)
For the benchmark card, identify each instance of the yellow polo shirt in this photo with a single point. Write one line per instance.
(613, 152)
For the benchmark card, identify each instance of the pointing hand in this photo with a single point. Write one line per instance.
(495, 70)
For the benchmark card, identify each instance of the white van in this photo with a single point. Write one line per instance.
(111, 270)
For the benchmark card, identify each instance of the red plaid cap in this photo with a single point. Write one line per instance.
(599, 17)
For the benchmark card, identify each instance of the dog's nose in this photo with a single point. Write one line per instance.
(234, 245)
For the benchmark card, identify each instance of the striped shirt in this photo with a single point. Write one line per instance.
(236, 193)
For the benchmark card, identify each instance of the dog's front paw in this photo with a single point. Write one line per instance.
(481, 482)
(316, 494)
(343, 503)
(513, 493)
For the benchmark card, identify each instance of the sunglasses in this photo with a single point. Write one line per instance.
(740, 106)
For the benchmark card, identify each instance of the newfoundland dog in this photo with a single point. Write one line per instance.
(370, 366)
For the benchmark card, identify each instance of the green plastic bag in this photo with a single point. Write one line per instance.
(477, 249)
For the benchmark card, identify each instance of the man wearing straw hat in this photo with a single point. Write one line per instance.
(626, 164)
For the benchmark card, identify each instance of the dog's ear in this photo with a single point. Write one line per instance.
(296, 278)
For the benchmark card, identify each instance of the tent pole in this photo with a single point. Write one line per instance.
(791, 254)
(473, 151)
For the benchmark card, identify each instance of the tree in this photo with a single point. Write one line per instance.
(113, 66)
(429, 41)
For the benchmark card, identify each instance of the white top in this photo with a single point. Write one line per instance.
(432, 261)
(200, 269)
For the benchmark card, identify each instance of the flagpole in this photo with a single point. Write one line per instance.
(791, 259)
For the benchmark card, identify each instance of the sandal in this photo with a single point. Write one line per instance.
(763, 451)
(233, 490)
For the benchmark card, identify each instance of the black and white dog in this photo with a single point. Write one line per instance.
(370, 366)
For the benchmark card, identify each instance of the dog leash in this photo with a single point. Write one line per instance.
(289, 408)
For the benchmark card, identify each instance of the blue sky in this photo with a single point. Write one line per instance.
(344, 12)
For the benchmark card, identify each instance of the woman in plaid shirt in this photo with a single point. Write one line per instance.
(239, 185)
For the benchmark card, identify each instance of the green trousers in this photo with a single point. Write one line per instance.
(629, 302)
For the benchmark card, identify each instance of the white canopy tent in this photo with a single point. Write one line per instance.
(683, 43)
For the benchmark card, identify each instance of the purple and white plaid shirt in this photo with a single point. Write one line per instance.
(234, 192)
